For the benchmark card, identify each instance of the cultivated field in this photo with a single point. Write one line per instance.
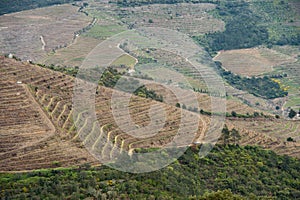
(22, 122)
(63, 145)
(125, 60)
(252, 62)
(103, 26)
(291, 71)
(270, 134)
(31, 34)
(53, 92)
(38, 128)
(74, 54)
(192, 19)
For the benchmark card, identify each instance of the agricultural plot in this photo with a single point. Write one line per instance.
(172, 70)
(53, 91)
(280, 62)
(30, 131)
(102, 27)
(252, 62)
(166, 67)
(104, 31)
(271, 134)
(39, 128)
(40, 31)
(125, 60)
(22, 121)
(204, 100)
(74, 54)
(291, 70)
(192, 19)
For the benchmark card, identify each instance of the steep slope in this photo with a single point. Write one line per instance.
(53, 91)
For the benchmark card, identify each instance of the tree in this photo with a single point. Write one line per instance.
(220, 195)
(292, 114)
(255, 114)
(236, 135)
(177, 105)
(234, 114)
(225, 134)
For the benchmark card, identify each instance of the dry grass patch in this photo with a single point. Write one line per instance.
(125, 60)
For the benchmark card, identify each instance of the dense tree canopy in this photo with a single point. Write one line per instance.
(246, 171)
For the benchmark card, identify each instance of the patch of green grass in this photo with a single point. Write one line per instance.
(78, 59)
(104, 31)
(125, 60)
(293, 101)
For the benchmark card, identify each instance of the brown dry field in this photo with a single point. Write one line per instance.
(21, 32)
(252, 62)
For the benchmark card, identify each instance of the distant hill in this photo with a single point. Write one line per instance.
(8, 6)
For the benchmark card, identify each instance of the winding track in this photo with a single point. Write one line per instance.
(43, 43)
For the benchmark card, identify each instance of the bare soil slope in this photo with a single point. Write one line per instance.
(31, 34)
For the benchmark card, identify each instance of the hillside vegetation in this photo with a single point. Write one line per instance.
(262, 87)
(249, 24)
(249, 172)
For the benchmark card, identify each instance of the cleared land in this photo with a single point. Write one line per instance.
(31, 34)
(252, 62)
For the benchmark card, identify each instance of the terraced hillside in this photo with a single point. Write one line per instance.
(192, 19)
(110, 19)
(22, 121)
(29, 137)
(252, 62)
(40, 100)
(270, 133)
(53, 92)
